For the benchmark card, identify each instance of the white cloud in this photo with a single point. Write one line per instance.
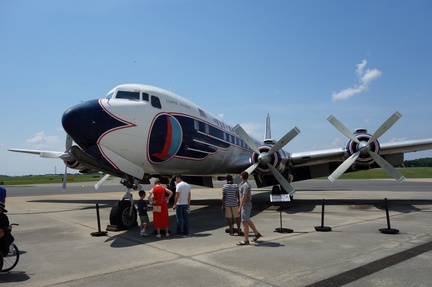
(364, 78)
(40, 140)
(360, 68)
(398, 139)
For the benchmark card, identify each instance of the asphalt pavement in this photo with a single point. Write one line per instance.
(57, 248)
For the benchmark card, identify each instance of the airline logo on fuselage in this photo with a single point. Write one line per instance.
(165, 138)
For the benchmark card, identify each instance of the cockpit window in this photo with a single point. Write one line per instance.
(145, 97)
(155, 102)
(128, 95)
(109, 96)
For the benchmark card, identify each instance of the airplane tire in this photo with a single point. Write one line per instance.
(120, 215)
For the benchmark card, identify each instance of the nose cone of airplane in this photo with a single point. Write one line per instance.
(87, 122)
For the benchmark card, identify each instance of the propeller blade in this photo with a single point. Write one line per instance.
(282, 180)
(251, 169)
(68, 142)
(64, 178)
(101, 181)
(385, 126)
(387, 167)
(65, 154)
(284, 140)
(343, 167)
(342, 128)
(247, 139)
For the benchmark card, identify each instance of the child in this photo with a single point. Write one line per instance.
(142, 212)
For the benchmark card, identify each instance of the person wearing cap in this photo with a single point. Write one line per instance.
(6, 237)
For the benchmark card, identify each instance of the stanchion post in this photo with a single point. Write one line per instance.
(322, 228)
(99, 232)
(388, 230)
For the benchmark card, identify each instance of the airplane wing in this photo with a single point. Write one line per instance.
(69, 161)
(322, 163)
(405, 146)
(41, 153)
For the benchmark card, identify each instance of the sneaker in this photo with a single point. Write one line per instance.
(168, 234)
(158, 236)
(144, 234)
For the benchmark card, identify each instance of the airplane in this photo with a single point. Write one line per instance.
(138, 132)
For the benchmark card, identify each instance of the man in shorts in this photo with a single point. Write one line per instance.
(245, 209)
(230, 202)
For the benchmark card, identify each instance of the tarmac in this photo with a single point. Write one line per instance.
(57, 248)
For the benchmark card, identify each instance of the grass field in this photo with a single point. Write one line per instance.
(411, 172)
(43, 179)
(378, 173)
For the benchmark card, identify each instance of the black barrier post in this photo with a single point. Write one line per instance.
(99, 232)
(322, 227)
(281, 229)
(388, 230)
(280, 197)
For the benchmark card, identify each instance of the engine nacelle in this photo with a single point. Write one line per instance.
(278, 160)
(364, 160)
(78, 166)
(73, 163)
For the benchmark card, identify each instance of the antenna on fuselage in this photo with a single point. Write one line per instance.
(267, 138)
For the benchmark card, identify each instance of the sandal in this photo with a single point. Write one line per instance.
(256, 237)
(244, 242)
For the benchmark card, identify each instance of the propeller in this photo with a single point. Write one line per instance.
(364, 148)
(101, 181)
(68, 145)
(265, 158)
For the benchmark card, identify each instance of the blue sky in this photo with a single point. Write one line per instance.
(300, 61)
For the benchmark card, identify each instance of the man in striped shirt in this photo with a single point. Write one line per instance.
(230, 203)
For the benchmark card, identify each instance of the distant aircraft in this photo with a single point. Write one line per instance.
(138, 132)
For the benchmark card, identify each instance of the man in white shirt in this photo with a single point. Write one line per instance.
(181, 205)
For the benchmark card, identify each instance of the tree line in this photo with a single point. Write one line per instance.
(420, 162)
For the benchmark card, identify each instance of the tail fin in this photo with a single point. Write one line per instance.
(267, 138)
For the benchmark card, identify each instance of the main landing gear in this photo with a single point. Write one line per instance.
(124, 214)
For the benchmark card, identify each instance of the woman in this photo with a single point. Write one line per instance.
(160, 207)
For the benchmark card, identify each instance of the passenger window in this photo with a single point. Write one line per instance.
(145, 97)
(127, 95)
(155, 102)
